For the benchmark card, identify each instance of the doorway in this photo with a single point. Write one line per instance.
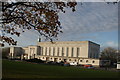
(55, 59)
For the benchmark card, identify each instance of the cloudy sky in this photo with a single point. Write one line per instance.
(97, 22)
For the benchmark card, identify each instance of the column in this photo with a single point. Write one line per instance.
(65, 49)
(56, 51)
(47, 51)
(75, 52)
(44, 50)
(60, 51)
(51, 51)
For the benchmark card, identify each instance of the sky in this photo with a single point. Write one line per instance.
(93, 21)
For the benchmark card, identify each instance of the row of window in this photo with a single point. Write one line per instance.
(87, 61)
(61, 51)
(94, 53)
(74, 60)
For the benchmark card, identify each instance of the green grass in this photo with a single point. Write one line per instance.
(17, 69)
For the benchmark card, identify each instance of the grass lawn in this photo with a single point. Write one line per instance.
(19, 69)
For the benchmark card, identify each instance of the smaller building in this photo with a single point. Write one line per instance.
(29, 52)
(15, 52)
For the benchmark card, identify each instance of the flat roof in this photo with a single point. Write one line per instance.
(62, 42)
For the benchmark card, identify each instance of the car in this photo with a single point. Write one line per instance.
(50, 62)
(73, 63)
(61, 63)
(87, 65)
(66, 64)
(91, 67)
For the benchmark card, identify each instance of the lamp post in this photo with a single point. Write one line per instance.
(118, 62)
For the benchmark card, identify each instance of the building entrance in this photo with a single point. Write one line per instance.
(47, 58)
(55, 59)
(65, 60)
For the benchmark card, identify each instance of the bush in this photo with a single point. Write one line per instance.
(35, 60)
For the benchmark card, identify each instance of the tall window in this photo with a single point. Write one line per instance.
(32, 51)
(41, 52)
(67, 51)
(78, 52)
(72, 52)
(49, 50)
(53, 51)
(58, 51)
(46, 51)
(62, 51)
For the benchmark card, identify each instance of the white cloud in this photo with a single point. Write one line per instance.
(111, 44)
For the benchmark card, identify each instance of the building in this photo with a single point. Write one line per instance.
(15, 52)
(82, 52)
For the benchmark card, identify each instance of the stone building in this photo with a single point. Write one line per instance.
(82, 52)
(15, 52)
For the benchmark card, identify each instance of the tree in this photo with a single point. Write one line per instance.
(41, 16)
(5, 52)
(110, 53)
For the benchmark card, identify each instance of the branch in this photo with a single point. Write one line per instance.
(28, 22)
(4, 7)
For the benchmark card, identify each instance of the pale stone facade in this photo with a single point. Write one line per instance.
(15, 52)
(82, 52)
(70, 51)
(31, 52)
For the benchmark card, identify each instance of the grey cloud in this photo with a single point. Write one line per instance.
(88, 18)
(91, 17)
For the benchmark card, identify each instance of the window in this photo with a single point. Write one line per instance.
(41, 51)
(62, 51)
(77, 51)
(86, 61)
(69, 59)
(72, 52)
(32, 51)
(58, 51)
(46, 51)
(93, 61)
(80, 60)
(65, 60)
(49, 50)
(53, 51)
(67, 51)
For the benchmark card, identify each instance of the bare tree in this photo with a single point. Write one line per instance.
(110, 53)
(41, 16)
